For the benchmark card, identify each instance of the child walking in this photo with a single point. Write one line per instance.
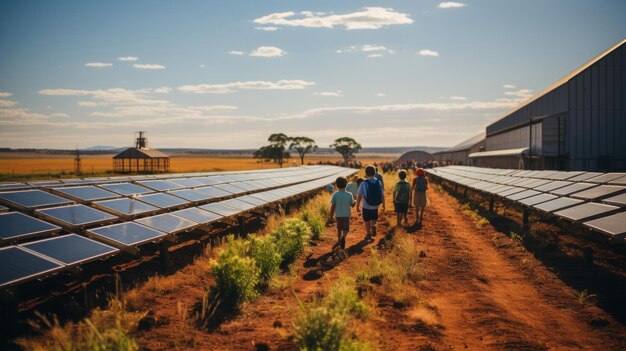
(401, 198)
(352, 186)
(372, 194)
(419, 187)
(341, 202)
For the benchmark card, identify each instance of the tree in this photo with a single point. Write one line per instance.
(303, 146)
(275, 151)
(347, 147)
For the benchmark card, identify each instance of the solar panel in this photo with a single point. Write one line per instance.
(71, 249)
(599, 192)
(618, 200)
(208, 180)
(613, 225)
(238, 204)
(16, 225)
(192, 195)
(574, 188)
(168, 223)
(586, 211)
(32, 199)
(230, 188)
(553, 186)
(163, 200)
(537, 199)
(85, 193)
(221, 209)
(213, 192)
(19, 265)
(125, 207)
(3, 209)
(187, 182)
(511, 191)
(252, 200)
(245, 186)
(557, 204)
(265, 196)
(198, 215)
(14, 186)
(160, 185)
(126, 189)
(126, 234)
(606, 178)
(565, 175)
(583, 177)
(75, 216)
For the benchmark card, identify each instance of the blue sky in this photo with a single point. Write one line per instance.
(226, 74)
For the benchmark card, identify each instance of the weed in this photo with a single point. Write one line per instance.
(517, 237)
(343, 298)
(585, 297)
(291, 237)
(478, 220)
(266, 256)
(235, 278)
(317, 223)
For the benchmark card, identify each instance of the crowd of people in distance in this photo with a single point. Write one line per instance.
(368, 195)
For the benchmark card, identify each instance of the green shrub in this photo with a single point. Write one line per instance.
(319, 329)
(316, 222)
(235, 278)
(291, 238)
(265, 253)
(344, 299)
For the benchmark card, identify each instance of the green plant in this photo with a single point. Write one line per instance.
(344, 299)
(517, 237)
(235, 278)
(265, 253)
(585, 296)
(291, 237)
(316, 222)
(318, 328)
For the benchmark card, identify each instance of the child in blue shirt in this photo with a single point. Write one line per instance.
(341, 203)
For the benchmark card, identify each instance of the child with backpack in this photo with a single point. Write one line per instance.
(401, 198)
(372, 195)
(419, 187)
(341, 203)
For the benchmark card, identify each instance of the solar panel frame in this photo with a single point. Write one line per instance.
(59, 215)
(70, 244)
(586, 211)
(51, 267)
(124, 189)
(73, 193)
(14, 186)
(115, 234)
(163, 200)
(612, 225)
(43, 227)
(3, 209)
(115, 207)
(168, 223)
(198, 215)
(15, 199)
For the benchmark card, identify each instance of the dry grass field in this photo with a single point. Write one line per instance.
(36, 165)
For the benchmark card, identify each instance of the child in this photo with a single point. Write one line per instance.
(379, 177)
(401, 198)
(372, 194)
(341, 202)
(352, 186)
(419, 187)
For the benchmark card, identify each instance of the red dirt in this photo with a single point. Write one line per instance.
(480, 290)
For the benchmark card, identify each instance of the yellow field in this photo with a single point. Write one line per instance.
(44, 165)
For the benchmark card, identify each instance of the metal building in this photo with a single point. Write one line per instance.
(141, 159)
(459, 154)
(578, 123)
(416, 155)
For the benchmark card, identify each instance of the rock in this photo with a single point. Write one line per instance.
(422, 254)
(599, 322)
(146, 323)
(277, 324)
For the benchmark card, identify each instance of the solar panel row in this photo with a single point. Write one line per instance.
(596, 200)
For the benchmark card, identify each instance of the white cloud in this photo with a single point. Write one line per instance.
(148, 66)
(267, 29)
(374, 50)
(202, 65)
(329, 93)
(88, 103)
(162, 90)
(451, 4)
(60, 115)
(375, 55)
(458, 98)
(7, 103)
(98, 64)
(368, 48)
(227, 88)
(116, 96)
(520, 94)
(509, 86)
(128, 58)
(236, 53)
(381, 94)
(268, 51)
(366, 18)
(427, 52)
(5, 94)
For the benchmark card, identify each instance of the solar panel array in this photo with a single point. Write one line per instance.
(99, 217)
(595, 200)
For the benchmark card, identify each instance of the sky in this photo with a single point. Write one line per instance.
(227, 74)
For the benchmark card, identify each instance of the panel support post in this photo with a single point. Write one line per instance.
(588, 255)
(525, 219)
(491, 204)
(465, 192)
(9, 312)
(242, 226)
(164, 255)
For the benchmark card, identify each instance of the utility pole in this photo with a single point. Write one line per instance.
(77, 162)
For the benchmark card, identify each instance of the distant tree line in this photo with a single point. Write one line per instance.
(279, 144)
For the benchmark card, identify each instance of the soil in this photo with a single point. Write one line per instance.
(480, 290)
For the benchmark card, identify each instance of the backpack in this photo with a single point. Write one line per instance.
(373, 192)
(404, 191)
(421, 184)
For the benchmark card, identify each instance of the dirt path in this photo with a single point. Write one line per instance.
(474, 295)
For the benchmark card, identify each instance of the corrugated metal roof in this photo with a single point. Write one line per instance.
(466, 144)
(561, 81)
(497, 153)
(140, 153)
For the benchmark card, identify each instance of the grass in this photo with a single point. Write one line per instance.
(473, 214)
(585, 297)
